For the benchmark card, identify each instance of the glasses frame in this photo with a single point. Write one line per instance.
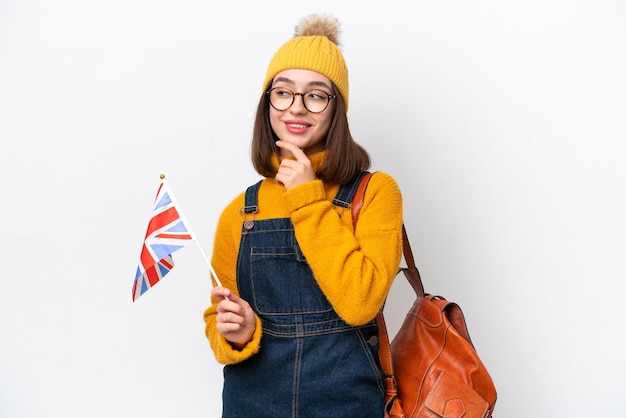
(329, 97)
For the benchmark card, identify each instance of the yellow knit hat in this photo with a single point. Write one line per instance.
(315, 46)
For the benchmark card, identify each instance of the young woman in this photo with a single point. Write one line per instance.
(294, 322)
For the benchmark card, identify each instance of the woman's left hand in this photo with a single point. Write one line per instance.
(292, 173)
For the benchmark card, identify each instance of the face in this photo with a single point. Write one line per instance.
(296, 124)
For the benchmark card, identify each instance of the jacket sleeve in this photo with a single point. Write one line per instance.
(354, 269)
(224, 262)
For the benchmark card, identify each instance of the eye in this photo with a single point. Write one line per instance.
(317, 95)
(282, 92)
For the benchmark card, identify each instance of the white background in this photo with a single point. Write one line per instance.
(503, 122)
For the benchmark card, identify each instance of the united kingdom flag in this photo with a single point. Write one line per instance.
(166, 233)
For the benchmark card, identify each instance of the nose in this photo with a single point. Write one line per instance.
(298, 104)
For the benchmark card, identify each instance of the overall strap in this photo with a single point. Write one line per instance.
(250, 205)
(347, 191)
(251, 202)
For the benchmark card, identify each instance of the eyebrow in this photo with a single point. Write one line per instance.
(310, 84)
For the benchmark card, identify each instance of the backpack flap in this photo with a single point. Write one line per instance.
(450, 398)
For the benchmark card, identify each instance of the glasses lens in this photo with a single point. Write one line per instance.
(281, 98)
(316, 100)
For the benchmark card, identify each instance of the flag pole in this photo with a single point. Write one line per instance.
(194, 237)
(217, 280)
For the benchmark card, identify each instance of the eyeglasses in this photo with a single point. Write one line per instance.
(315, 101)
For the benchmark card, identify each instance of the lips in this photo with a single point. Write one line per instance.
(296, 127)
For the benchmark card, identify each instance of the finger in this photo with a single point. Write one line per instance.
(231, 318)
(288, 163)
(227, 305)
(232, 297)
(219, 291)
(227, 327)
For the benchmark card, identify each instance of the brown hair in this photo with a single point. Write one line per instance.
(345, 158)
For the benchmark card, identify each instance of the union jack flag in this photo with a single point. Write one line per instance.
(166, 233)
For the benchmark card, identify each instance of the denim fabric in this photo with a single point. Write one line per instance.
(311, 363)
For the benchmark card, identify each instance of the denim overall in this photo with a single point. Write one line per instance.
(311, 363)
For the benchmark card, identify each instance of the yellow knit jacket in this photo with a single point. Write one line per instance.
(335, 253)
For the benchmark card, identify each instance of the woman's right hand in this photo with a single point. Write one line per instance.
(235, 318)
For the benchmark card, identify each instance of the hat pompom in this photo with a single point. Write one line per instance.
(319, 25)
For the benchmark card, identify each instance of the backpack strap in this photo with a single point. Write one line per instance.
(411, 272)
(393, 406)
(357, 201)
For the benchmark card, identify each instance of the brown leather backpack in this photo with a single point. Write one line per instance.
(431, 367)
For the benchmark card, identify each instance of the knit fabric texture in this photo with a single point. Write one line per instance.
(354, 269)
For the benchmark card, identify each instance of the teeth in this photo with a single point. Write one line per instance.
(296, 125)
